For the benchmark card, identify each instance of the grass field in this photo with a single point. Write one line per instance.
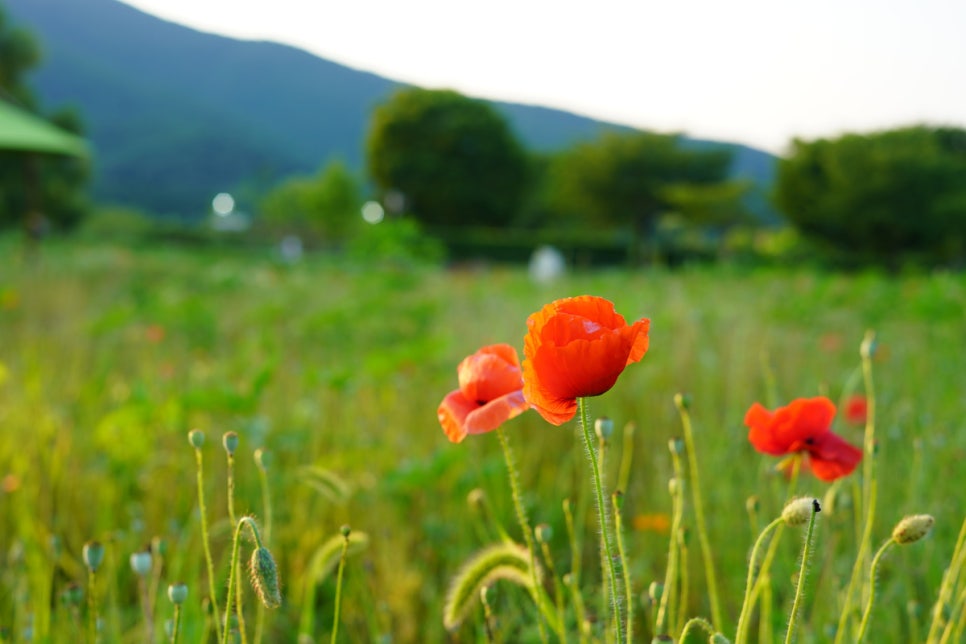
(108, 357)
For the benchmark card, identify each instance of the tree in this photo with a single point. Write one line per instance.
(325, 206)
(881, 197)
(630, 180)
(454, 159)
(36, 190)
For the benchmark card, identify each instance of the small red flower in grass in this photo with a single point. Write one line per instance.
(577, 347)
(490, 393)
(803, 426)
(856, 409)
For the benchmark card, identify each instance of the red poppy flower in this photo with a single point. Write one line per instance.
(803, 426)
(856, 409)
(490, 393)
(577, 347)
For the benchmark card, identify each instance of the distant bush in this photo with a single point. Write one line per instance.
(397, 240)
(890, 197)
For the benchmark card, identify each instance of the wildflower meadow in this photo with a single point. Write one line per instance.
(216, 445)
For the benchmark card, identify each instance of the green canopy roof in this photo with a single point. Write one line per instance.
(20, 130)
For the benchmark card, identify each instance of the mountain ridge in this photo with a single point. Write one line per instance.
(176, 114)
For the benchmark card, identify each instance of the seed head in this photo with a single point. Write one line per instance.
(264, 576)
(197, 438)
(93, 554)
(230, 441)
(675, 445)
(682, 401)
(177, 593)
(604, 427)
(654, 591)
(141, 563)
(73, 595)
(262, 459)
(345, 530)
(543, 532)
(912, 528)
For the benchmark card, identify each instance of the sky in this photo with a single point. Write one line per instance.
(759, 72)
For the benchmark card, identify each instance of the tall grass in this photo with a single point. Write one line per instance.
(109, 357)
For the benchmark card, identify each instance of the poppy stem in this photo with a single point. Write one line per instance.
(869, 487)
(752, 581)
(539, 596)
(864, 626)
(666, 609)
(806, 554)
(608, 553)
(205, 540)
(706, 555)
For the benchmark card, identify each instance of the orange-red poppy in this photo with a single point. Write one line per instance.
(490, 393)
(803, 426)
(577, 347)
(856, 409)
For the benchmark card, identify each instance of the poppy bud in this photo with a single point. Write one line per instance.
(197, 438)
(141, 563)
(654, 591)
(604, 427)
(230, 441)
(93, 554)
(544, 533)
(676, 445)
(262, 459)
(912, 528)
(682, 401)
(73, 595)
(752, 504)
(264, 574)
(798, 511)
(178, 593)
(345, 530)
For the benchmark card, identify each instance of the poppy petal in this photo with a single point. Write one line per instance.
(485, 376)
(452, 413)
(758, 419)
(495, 413)
(832, 457)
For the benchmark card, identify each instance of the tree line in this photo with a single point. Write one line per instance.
(452, 167)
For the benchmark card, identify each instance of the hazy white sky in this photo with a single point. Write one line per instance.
(754, 71)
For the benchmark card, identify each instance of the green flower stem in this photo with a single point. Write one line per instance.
(682, 601)
(231, 517)
(580, 614)
(92, 606)
(699, 512)
(948, 583)
(667, 604)
(802, 572)
(695, 623)
(338, 589)
(557, 588)
(863, 627)
(267, 529)
(627, 457)
(539, 596)
(602, 519)
(176, 629)
(752, 582)
(869, 487)
(233, 576)
(206, 541)
(628, 595)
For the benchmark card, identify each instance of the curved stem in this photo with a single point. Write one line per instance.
(602, 519)
(752, 582)
(539, 596)
(338, 590)
(869, 487)
(232, 574)
(868, 607)
(621, 553)
(206, 542)
(799, 593)
(699, 514)
(666, 607)
(696, 622)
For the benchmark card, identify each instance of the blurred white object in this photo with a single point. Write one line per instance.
(291, 249)
(546, 264)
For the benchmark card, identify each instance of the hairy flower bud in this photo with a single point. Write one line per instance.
(197, 438)
(264, 576)
(230, 442)
(93, 554)
(141, 563)
(912, 528)
(798, 511)
(604, 427)
(178, 593)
